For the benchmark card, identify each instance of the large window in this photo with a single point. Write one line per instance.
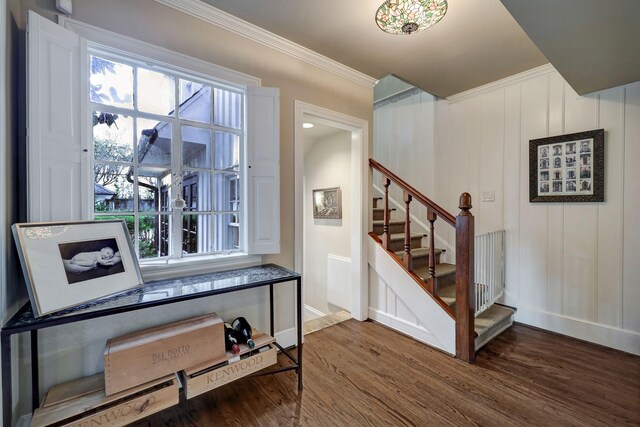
(167, 153)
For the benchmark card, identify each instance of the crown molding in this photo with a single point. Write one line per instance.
(231, 23)
(499, 84)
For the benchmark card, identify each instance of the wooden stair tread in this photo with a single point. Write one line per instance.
(491, 317)
(381, 221)
(400, 236)
(442, 269)
(420, 252)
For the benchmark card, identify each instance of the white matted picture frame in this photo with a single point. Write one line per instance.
(70, 263)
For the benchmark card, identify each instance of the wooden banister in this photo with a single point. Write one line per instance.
(442, 213)
(464, 225)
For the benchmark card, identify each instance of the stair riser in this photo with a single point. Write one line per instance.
(423, 261)
(447, 280)
(398, 245)
(393, 228)
(378, 214)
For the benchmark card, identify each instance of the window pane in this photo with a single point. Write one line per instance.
(196, 191)
(226, 192)
(196, 147)
(196, 234)
(154, 189)
(111, 83)
(227, 151)
(113, 188)
(226, 232)
(128, 219)
(195, 102)
(154, 142)
(156, 92)
(154, 235)
(227, 108)
(112, 137)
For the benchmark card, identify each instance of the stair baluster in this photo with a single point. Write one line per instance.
(386, 236)
(407, 258)
(431, 217)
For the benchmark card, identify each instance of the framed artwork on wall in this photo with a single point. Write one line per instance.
(327, 203)
(567, 168)
(70, 263)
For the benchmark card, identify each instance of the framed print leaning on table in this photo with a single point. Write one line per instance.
(567, 168)
(69, 263)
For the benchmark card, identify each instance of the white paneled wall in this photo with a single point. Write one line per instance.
(570, 267)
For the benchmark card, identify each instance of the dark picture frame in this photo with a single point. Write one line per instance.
(567, 168)
(70, 263)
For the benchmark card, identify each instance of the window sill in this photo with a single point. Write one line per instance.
(168, 269)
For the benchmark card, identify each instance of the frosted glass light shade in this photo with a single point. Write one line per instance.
(409, 16)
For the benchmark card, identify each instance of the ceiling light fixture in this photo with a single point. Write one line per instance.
(307, 125)
(409, 16)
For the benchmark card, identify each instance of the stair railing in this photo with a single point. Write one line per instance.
(464, 225)
(489, 272)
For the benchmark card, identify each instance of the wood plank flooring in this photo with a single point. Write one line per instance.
(362, 374)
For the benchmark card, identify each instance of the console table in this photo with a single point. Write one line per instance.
(151, 294)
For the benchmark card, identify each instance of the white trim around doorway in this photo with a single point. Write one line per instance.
(359, 203)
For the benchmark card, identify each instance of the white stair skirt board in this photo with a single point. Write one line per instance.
(437, 328)
(311, 313)
(339, 281)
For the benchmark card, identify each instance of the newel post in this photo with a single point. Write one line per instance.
(465, 287)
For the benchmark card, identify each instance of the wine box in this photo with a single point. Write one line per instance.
(230, 367)
(143, 356)
(83, 403)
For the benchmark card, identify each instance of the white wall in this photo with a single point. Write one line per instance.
(404, 142)
(571, 267)
(327, 163)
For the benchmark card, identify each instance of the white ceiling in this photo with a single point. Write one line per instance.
(592, 43)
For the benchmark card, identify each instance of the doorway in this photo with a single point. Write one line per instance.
(331, 251)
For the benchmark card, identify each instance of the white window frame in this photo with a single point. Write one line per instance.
(176, 165)
(118, 45)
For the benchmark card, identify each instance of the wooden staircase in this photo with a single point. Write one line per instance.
(445, 282)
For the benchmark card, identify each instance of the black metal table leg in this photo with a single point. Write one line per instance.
(300, 326)
(5, 343)
(35, 371)
(271, 323)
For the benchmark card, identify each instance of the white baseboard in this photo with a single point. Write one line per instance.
(414, 331)
(24, 421)
(286, 338)
(311, 313)
(608, 336)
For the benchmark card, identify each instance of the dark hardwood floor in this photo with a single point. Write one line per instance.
(362, 374)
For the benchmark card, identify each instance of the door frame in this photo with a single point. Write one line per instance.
(359, 129)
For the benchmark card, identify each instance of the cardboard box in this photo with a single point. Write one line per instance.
(145, 355)
(225, 369)
(83, 403)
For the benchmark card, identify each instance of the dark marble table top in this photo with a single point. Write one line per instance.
(155, 293)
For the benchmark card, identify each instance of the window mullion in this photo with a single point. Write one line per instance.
(176, 178)
(136, 218)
